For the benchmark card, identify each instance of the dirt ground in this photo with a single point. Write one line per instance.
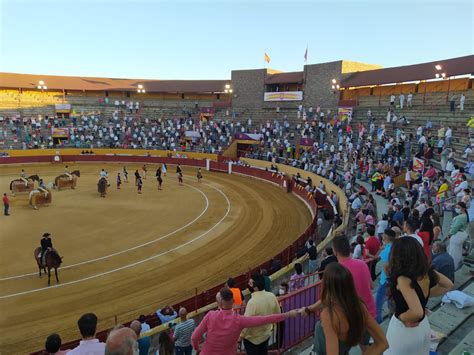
(129, 254)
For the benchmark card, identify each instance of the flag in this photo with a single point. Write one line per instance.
(306, 55)
(418, 165)
(267, 58)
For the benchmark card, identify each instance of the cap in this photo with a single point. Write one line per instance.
(46, 234)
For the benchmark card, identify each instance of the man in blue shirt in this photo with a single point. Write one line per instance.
(398, 218)
(381, 295)
(442, 261)
(144, 343)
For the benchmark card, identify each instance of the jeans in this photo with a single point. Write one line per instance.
(259, 349)
(5, 209)
(313, 266)
(380, 298)
(186, 350)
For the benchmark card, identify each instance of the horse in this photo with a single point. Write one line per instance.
(52, 261)
(66, 181)
(102, 186)
(18, 185)
(38, 197)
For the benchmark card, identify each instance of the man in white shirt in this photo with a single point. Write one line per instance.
(357, 203)
(448, 135)
(392, 100)
(409, 99)
(461, 102)
(89, 344)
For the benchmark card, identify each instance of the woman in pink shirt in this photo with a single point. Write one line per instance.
(223, 327)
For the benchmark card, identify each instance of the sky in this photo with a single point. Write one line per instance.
(200, 39)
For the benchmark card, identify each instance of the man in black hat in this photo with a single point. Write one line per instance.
(46, 245)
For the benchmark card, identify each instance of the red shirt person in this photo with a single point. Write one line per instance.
(6, 204)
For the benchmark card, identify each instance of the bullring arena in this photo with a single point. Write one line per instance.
(126, 254)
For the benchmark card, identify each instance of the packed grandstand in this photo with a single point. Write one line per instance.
(378, 155)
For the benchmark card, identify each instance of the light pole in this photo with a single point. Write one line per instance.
(228, 90)
(42, 86)
(441, 74)
(141, 89)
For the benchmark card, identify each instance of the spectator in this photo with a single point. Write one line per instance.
(121, 341)
(144, 325)
(382, 225)
(166, 314)
(457, 234)
(238, 297)
(402, 100)
(222, 327)
(410, 279)
(6, 205)
(182, 334)
(381, 294)
(398, 217)
(372, 245)
(442, 261)
(261, 303)
(409, 228)
(297, 279)
(52, 345)
(283, 289)
(165, 344)
(89, 345)
(313, 257)
(357, 203)
(328, 259)
(144, 343)
(359, 249)
(409, 99)
(268, 281)
(344, 323)
(361, 275)
(461, 102)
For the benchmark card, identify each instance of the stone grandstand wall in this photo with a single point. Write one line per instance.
(317, 88)
(249, 87)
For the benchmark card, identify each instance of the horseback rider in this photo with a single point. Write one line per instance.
(67, 172)
(46, 245)
(42, 188)
(23, 177)
(105, 175)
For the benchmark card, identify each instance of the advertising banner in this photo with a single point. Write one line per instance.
(343, 113)
(283, 96)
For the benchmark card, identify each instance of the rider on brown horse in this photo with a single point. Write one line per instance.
(46, 245)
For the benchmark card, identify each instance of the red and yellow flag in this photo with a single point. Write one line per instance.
(267, 58)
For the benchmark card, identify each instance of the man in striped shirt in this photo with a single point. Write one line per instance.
(182, 334)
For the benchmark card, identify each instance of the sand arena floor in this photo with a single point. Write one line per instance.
(129, 254)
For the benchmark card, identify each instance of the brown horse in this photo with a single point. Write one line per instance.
(65, 181)
(18, 185)
(52, 261)
(40, 198)
(102, 186)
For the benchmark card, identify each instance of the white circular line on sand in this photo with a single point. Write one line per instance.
(126, 250)
(135, 263)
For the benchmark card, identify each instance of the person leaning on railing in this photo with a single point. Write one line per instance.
(223, 326)
(344, 317)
